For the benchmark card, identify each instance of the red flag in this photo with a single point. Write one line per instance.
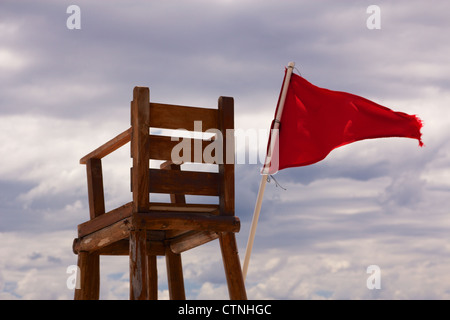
(315, 121)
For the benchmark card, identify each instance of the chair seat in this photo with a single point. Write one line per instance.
(165, 222)
(158, 208)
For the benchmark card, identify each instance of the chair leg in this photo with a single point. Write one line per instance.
(89, 273)
(139, 289)
(232, 265)
(175, 275)
(152, 277)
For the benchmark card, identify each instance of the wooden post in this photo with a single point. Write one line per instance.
(232, 265)
(138, 265)
(95, 187)
(226, 169)
(89, 275)
(230, 256)
(173, 260)
(175, 275)
(140, 151)
(152, 277)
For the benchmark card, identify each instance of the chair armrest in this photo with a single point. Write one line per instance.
(108, 147)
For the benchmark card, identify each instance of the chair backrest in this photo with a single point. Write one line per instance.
(146, 146)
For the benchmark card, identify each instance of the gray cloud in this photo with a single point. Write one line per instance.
(64, 92)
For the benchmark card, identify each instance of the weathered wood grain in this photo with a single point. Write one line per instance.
(226, 169)
(140, 151)
(184, 182)
(181, 117)
(166, 220)
(232, 265)
(89, 276)
(191, 240)
(139, 289)
(175, 275)
(105, 220)
(95, 187)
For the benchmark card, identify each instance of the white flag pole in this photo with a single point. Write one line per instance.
(262, 185)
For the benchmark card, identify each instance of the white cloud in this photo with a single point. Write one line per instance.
(10, 60)
(34, 265)
(46, 151)
(316, 273)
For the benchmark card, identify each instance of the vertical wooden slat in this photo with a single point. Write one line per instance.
(89, 273)
(140, 151)
(173, 260)
(152, 277)
(226, 169)
(174, 197)
(138, 265)
(95, 187)
(175, 275)
(232, 266)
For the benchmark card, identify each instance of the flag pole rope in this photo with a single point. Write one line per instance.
(262, 185)
(276, 182)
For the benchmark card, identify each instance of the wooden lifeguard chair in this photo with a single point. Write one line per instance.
(144, 229)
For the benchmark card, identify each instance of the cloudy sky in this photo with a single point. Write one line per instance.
(382, 202)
